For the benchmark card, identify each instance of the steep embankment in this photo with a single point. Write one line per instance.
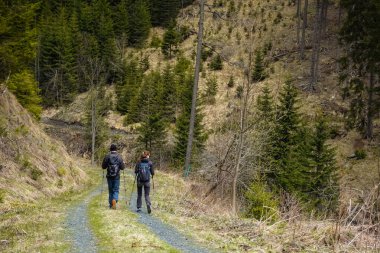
(32, 164)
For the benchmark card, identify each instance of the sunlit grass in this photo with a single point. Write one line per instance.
(119, 231)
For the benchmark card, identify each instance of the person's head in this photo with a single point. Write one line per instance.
(113, 147)
(144, 155)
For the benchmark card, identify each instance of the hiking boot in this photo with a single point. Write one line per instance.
(149, 209)
(138, 210)
(113, 204)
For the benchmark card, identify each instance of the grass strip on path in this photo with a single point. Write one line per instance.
(119, 231)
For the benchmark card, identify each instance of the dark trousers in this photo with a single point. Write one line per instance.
(113, 189)
(146, 193)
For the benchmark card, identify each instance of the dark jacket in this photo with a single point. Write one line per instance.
(145, 161)
(113, 158)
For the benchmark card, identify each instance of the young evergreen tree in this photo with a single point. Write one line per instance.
(216, 63)
(289, 145)
(258, 70)
(265, 105)
(183, 122)
(325, 190)
(171, 40)
(211, 89)
(127, 90)
(168, 95)
(231, 82)
(139, 22)
(25, 88)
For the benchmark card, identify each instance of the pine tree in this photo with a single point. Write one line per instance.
(57, 60)
(361, 33)
(168, 95)
(216, 63)
(211, 89)
(324, 170)
(171, 40)
(231, 82)
(265, 105)
(258, 70)
(139, 23)
(18, 35)
(183, 122)
(289, 145)
(25, 88)
(127, 90)
(164, 12)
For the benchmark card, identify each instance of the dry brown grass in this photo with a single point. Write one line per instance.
(209, 221)
(30, 159)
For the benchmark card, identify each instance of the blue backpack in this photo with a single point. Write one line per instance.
(143, 173)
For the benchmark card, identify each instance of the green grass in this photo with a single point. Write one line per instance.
(39, 226)
(119, 231)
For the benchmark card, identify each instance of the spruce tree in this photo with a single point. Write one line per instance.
(18, 35)
(183, 122)
(170, 41)
(168, 95)
(289, 145)
(139, 23)
(325, 188)
(25, 88)
(164, 12)
(359, 67)
(216, 63)
(265, 105)
(258, 70)
(127, 90)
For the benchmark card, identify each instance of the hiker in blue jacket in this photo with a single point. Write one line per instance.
(144, 170)
(113, 163)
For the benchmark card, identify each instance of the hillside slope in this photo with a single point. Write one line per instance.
(32, 164)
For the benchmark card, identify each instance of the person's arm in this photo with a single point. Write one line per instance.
(137, 167)
(105, 162)
(151, 168)
(121, 163)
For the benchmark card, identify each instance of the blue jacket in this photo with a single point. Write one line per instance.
(144, 161)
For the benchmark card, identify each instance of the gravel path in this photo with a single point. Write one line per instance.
(165, 232)
(83, 240)
(77, 222)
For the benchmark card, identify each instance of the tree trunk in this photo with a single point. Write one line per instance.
(325, 5)
(370, 105)
(316, 40)
(195, 90)
(243, 115)
(304, 24)
(298, 21)
(93, 125)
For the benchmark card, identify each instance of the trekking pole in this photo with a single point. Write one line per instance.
(125, 188)
(101, 193)
(153, 182)
(134, 181)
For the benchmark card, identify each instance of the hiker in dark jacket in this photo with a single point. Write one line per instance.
(113, 163)
(144, 170)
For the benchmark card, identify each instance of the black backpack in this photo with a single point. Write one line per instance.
(113, 166)
(143, 173)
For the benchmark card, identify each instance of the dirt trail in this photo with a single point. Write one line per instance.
(81, 237)
(83, 240)
(165, 232)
